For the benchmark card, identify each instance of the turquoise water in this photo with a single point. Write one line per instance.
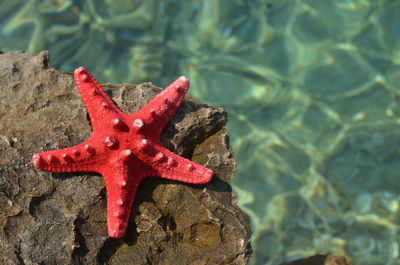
(312, 88)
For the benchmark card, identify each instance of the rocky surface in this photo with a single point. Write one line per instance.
(61, 218)
(320, 260)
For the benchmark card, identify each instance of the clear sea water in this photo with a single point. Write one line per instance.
(312, 88)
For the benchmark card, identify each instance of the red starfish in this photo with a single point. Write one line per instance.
(124, 148)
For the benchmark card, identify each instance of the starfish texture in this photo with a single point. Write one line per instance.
(124, 148)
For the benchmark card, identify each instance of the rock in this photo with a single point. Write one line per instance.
(320, 260)
(61, 218)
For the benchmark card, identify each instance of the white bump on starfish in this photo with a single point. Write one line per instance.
(65, 157)
(120, 202)
(189, 167)
(125, 154)
(171, 162)
(84, 77)
(116, 214)
(159, 156)
(89, 148)
(177, 88)
(110, 141)
(117, 123)
(138, 123)
(123, 183)
(50, 158)
(75, 152)
(143, 144)
(184, 78)
(37, 159)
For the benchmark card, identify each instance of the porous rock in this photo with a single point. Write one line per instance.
(49, 218)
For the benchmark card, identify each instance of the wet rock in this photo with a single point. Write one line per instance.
(320, 260)
(49, 218)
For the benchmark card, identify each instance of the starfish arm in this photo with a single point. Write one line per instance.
(97, 103)
(172, 166)
(82, 157)
(155, 115)
(121, 184)
(184, 170)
